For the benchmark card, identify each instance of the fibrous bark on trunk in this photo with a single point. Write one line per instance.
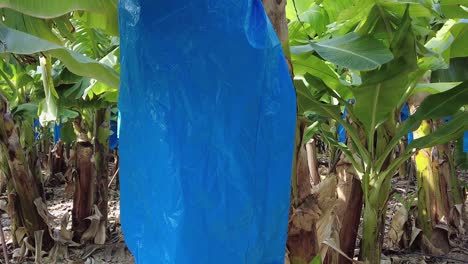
(101, 147)
(84, 183)
(439, 192)
(302, 240)
(349, 206)
(24, 182)
(312, 161)
(276, 11)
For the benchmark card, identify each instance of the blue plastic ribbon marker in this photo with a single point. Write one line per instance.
(465, 142)
(207, 130)
(57, 132)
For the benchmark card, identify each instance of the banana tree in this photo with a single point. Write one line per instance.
(440, 198)
(81, 64)
(379, 63)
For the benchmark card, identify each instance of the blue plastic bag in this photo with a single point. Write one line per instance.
(207, 131)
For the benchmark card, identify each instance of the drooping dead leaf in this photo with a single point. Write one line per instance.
(305, 216)
(415, 232)
(93, 228)
(19, 253)
(89, 250)
(38, 243)
(65, 234)
(100, 237)
(70, 175)
(304, 229)
(20, 233)
(286, 257)
(44, 213)
(397, 226)
(332, 244)
(429, 247)
(53, 254)
(457, 218)
(440, 238)
(58, 254)
(3, 205)
(328, 225)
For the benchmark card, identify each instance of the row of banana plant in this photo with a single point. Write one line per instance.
(372, 53)
(59, 65)
(370, 57)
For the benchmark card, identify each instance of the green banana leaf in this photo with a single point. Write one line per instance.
(354, 52)
(461, 157)
(310, 64)
(13, 41)
(101, 13)
(382, 89)
(436, 106)
(433, 88)
(451, 130)
(454, 8)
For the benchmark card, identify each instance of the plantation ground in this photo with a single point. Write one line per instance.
(59, 202)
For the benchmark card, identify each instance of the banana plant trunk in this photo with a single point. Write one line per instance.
(438, 187)
(101, 147)
(24, 182)
(375, 207)
(349, 206)
(85, 183)
(376, 188)
(371, 247)
(91, 185)
(302, 244)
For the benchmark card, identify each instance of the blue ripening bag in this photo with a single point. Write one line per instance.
(208, 114)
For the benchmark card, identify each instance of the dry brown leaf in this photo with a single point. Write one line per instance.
(286, 257)
(332, 244)
(457, 217)
(89, 250)
(100, 237)
(430, 248)
(414, 234)
(20, 252)
(93, 228)
(3, 205)
(304, 219)
(328, 225)
(20, 233)
(53, 254)
(397, 226)
(44, 213)
(38, 243)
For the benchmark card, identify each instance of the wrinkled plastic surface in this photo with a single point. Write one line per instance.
(207, 132)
